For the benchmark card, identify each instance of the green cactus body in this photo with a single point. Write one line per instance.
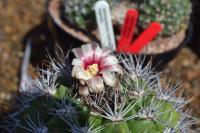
(74, 112)
(40, 112)
(141, 122)
(118, 127)
(80, 13)
(142, 125)
(138, 103)
(172, 14)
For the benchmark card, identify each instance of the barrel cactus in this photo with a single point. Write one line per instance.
(172, 14)
(98, 92)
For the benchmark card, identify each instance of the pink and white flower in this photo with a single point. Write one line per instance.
(94, 66)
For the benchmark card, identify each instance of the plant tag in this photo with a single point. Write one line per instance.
(104, 22)
(148, 35)
(127, 31)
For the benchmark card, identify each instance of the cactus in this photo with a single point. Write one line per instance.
(139, 101)
(173, 14)
(79, 13)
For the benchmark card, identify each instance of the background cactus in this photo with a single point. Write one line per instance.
(79, 13)
(141, 99)
(172, 14)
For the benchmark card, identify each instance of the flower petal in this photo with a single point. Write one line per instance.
(97, 54)
(110, 79)
(77, 62)
(109, 60)
(96, 84)
(88, 52)
(106, 52)
(78, 53)
(79, 73)
(95, 45)
(82, 82)
(112, 68)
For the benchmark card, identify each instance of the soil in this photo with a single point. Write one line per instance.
(185, 68)
(19, 16)
(165, 44)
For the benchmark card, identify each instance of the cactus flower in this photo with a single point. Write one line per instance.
(95, 67)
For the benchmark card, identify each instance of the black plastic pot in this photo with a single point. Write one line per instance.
(194, 44)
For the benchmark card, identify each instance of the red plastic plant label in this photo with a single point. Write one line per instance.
(147, 36)
(127, 30)
(125, 44)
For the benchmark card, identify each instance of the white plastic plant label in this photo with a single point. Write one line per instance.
(104, 22)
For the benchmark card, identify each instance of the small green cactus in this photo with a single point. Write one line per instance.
(172, 14)
(79, 13)
(114, 98)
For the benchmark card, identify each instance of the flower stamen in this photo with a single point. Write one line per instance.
(92, 70)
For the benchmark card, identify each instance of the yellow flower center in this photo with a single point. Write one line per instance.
(92, 70)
